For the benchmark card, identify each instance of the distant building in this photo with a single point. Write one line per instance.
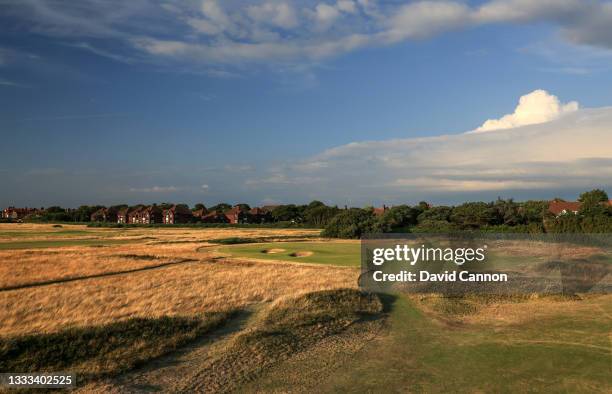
(236, 215)
(214, 217)
(559, 208)
(259, 215)
(17, 213)
(105, 215)
(177, 214)
(150, 215)
(123, 215)
(380, 211)
(198, 214)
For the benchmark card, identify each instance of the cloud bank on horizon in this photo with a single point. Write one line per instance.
(213, 33)
(543, 145)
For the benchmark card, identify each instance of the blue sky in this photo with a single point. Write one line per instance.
(106, 102)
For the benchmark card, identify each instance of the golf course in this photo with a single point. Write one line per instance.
(178, 310)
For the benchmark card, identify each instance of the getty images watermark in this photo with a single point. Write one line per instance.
(486, 263)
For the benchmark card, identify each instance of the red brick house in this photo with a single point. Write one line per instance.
(105, 215)
(134, 215)
(214, 217)
(198, 214)
(259, 215)
(151, 215)
(380, 211)
(17, 213)
(123, 215)
(559, 208)
(236, 215)
(177, 214)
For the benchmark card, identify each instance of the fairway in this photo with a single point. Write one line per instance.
(427, 351)
(346, 254)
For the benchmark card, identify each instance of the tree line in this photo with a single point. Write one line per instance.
(502, 215)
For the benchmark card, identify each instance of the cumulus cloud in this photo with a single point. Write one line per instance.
(568, 152)
(271, 31)
(536, 107)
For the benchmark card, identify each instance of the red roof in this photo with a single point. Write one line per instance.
(560, 207)
(380, 211)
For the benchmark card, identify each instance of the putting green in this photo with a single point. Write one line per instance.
(345, 254)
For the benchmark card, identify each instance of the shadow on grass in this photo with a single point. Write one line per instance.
(100, 351)
(94, 276)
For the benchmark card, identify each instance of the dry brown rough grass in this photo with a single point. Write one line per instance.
(206, 284)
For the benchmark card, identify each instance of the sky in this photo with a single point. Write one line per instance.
(358, 102)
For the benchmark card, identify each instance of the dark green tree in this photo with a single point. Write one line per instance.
(350, 223)
(473, 215)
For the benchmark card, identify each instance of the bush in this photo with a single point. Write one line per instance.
(352, 223)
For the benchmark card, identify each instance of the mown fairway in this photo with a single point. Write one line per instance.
(346, 254)
(532, 346)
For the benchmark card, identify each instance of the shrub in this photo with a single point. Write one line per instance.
(352, 223)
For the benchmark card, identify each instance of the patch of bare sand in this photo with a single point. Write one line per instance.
(273, 251)
(304, 253)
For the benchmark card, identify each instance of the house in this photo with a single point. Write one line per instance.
(123, 215)
(17, 213)
(177, 214)
(105, 215)
(380, 211)
(214, 217)
(236, 215)
(150, 215)
(99, 215)
(198, 214)
(259, 215)
(133, 215)
(559, 208)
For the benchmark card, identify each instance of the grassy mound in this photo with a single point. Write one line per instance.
(286, 328)
(93, 352)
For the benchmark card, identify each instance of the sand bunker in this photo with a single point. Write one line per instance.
(301, 254)
(272, 251)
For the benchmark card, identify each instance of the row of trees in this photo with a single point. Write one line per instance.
(595, 215)
(315, 214)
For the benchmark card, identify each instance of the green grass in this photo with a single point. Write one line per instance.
(41, 244)
(331, 253)
(419, 354)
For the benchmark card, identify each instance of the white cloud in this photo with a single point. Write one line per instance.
(424, 19)
(281, 14)
(536, 107)
(346, 6)
(235, 32)
(570, 152)
(325, 15)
